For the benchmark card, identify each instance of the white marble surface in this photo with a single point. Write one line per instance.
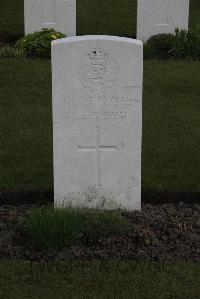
(97, 121)
(161, 16)
(57, 14)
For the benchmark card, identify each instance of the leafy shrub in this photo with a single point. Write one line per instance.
(53, 228)
(38, 44)
(183, 45)
(10, 52)
(101, 223)
(57, 228)
(186, 44)
(160, 45)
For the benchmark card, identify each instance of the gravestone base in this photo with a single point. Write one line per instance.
(98, 198)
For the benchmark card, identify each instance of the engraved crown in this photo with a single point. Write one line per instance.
(96, 54)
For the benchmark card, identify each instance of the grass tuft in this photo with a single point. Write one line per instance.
(101, 223)
(54, 229)
(11, 52)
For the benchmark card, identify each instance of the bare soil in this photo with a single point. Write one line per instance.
(161, 232)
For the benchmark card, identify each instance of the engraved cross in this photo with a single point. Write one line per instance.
(98, 148)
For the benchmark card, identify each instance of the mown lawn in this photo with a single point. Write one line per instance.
(171, 125)
(99, 280)
(115, 17)
(194, 12)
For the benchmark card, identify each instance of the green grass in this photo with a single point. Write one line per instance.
(11, 52)
(112, 17)
(12, 16)
(25, 124)
(101, 223)
(93, 17)
(57, 228)
(171, 125)
(99, 280)
(52, 228)
(194, 12)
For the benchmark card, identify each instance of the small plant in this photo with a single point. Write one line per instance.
(160, 45)
(10, 52)
(186, 44)
(53, 228)
(38, 44)
(183, 45)
(101, 223)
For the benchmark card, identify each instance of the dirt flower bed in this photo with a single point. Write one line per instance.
(161, 232)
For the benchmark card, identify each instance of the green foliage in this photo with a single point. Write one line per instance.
(52, 228)
(102, 223)
(183, 45)
(186, 44)
(38, 44)
(57, 228)
(10, 52)
(160, 44)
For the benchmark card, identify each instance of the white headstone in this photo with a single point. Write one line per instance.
(97, 121)
(161, 16)
(57, 14)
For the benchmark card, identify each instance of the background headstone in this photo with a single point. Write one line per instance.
(57, 14)
(161, 16)
(97, 121)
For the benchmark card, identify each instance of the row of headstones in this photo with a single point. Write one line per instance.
(154, 16)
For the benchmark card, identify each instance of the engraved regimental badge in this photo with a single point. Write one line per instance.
(97, 71)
